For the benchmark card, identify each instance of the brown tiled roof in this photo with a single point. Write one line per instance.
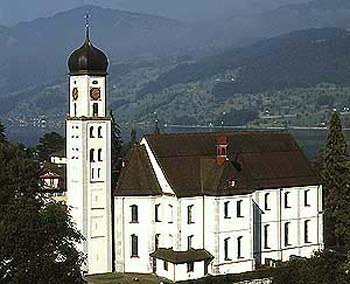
(138, 177)
(256, 160)
(178, 257)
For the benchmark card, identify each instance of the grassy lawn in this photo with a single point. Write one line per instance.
(125, 278)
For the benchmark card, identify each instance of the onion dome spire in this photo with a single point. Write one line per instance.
(87, 59)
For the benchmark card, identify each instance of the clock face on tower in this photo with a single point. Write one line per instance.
(95, 94)
(75, 94)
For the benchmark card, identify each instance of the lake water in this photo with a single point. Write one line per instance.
(310, 140)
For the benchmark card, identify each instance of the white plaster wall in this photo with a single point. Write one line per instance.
(181, 273)
(167, 228)
(278, 215)
(84, 103)
(218, 228)
(163, 182)
(144, 230)
(169, 274)
(194, 229)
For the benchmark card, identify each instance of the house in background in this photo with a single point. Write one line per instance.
(52, 181)
(189, 205)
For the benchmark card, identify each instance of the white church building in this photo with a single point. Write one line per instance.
(186, 205)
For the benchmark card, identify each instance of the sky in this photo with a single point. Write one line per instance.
(14, 11)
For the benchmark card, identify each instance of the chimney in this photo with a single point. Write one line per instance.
(221, 149)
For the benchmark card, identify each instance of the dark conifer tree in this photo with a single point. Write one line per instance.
(49, 144)
(117, 145)
(336, 180)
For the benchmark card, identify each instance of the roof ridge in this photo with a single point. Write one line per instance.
(276, 132)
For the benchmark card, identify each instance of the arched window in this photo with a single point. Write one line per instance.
(239, 209)
(226, 249)
(267, 201)
(99, 132)
(223, 152)
(306, 198)
(92, 132)
(226, 210)
(266, 236)
(134, 214)
(134, 246)
(92, 154)
(95, 109)
(189, 242)
(286, 234)
(171, 214)
(239, 247)
(99, 155)
(306, 231)
(189, 215)
(286, 200)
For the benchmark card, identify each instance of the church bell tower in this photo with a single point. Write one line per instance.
(88, 148)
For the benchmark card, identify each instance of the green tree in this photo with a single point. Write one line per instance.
(335, 174)
(37, 237)
(322, 268)
(117, 145)
(49, 144)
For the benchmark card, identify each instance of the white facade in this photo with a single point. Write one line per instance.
(88, 136)
(232, 228)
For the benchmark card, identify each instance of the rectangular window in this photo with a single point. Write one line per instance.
(286, 234)
(134, 246)
(239, 247)
(226, 249)
(171, 214)
(266, 236)
(134, 214)
(156, 213)
(95, 109)
(189, 242)
(189, 214)
(267, 208)
(226, 210)
(306, 231)
(306, 201)
(190, 266)
(165, 265)
(239, 208)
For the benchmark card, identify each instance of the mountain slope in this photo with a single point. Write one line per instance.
(36, 52)
(299, 59)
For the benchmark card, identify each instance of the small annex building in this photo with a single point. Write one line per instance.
(189, 205)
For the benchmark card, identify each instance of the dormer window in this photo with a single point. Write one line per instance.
(231, 183)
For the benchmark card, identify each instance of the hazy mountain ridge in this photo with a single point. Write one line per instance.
(35, 53)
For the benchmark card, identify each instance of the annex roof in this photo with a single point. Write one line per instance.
(178, 257)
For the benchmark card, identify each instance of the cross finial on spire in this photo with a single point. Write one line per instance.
(222, 122)
(87, 25)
